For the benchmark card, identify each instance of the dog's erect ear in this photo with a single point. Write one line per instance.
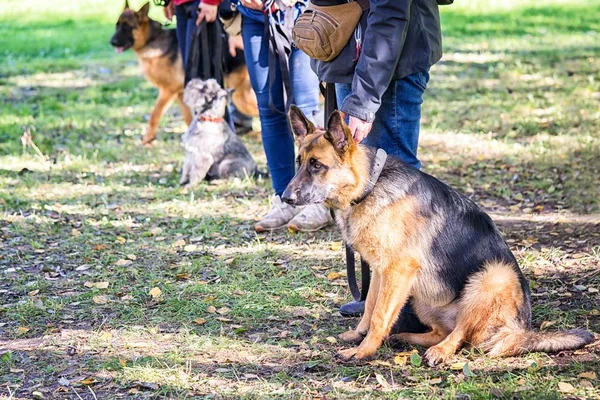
(142, 14)
(337, 133)
(301, 126)
(126, 5)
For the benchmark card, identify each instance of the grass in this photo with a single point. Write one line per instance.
(511, 118)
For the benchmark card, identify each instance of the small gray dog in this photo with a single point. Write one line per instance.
(213, 150)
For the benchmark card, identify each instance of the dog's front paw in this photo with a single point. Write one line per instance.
(347, 354)
(436, 355)
(351, 336)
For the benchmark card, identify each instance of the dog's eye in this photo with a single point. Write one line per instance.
(298, 161)
(315, 164)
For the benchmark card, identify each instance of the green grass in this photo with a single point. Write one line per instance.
(511, 118)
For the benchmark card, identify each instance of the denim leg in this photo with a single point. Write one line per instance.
(276, 135)
(186, 25)
(397, 122)
(305, 86)
(277, 139)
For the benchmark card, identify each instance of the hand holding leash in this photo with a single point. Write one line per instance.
(253, 4)
(207, 12)
(359, 128)
(168, 11)
(235, 44)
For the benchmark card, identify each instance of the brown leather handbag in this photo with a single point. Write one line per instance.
(323, 31)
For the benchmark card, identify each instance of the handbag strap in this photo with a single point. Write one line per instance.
(279, 37)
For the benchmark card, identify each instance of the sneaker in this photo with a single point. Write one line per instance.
(310, 219)
(280, 214)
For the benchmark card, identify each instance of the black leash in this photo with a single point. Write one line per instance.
(359, 295)
(206, 49)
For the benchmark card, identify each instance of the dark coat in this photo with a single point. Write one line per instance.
(399, 37)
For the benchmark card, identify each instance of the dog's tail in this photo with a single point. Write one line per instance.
(512, 341)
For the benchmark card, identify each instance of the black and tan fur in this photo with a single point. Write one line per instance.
(161, 63)
(426, 244)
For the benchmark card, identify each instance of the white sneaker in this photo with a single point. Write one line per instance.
(280, 214)
(310, 219)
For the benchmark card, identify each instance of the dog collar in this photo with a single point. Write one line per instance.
(209, 118)
(376, 169)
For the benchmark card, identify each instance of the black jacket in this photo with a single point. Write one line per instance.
(399, 37)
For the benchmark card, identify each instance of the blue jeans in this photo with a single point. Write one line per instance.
(186, 25)
(397, 123)
(277, 139)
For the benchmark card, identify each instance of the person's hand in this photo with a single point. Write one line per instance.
(235, 43)
(359, 128)
(253, 4)
(168, 10)
(207, 12)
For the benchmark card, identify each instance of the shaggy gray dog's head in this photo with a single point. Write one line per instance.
(206, 97)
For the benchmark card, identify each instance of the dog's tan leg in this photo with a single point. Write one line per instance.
(358, 334)
(435, 336)
(442, 351)
(162, 103)
(185, 110)
(396, 281)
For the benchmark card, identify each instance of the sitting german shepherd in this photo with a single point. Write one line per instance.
(424, 241)
(158, 55)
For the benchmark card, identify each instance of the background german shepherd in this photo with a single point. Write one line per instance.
(158, 55)
(425, 242)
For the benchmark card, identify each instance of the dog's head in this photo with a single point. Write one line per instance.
(206, 97)
(329, 169)
(131, 29)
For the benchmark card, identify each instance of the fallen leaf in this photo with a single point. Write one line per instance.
(64, 381)
(75, 232)
(156, 231)
(586, 384)
(211, 309)
(229, 260)
(21, 330)
(224, 310)
(122, 262)
(200, 321)
(182, 276)
(120, 240)
(88, 284)
(331, 339)
(83, 267)
(178, 243)
(593, 290)
(334, 275)
(457, 366)
(127, 297)
(565, 387)
(336, 246)
(381, 380)
(33, 292)
(132, 257)
(415, 359)
(88, 381)
(223, 319)
(99, 247)
(100, 299)
(191, 248)
(435, 381)
(155, 292)
(400, 359)
(588, 375)
(101, 285)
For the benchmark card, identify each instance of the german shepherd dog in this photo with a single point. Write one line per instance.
(158, 55)
(425, 242)
(161, 63)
